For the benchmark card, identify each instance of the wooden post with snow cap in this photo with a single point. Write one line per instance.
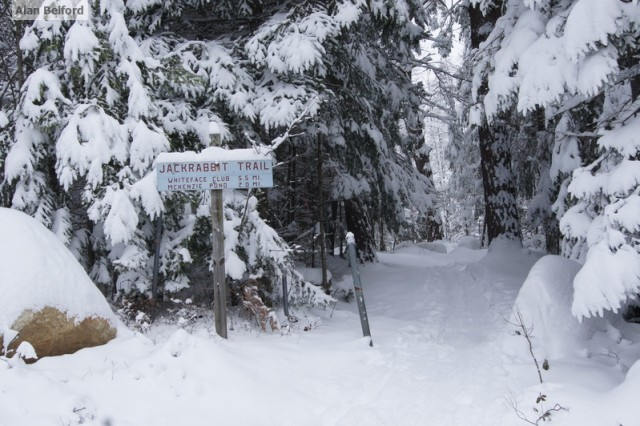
(217, 249)
(357, 286)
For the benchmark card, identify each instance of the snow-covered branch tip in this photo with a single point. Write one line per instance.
(275, 143)
(287, 134)
(435, 69)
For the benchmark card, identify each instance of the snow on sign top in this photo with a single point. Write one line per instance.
(213, 168)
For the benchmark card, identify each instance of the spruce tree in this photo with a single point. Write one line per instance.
(109, 94)
(578, 60)
(494, 132)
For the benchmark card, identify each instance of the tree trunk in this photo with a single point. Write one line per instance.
(358, 222)
(498, 181)
(321, 237)
(291, 185)
(334, 228)
(501, 212)
(550, 224)
(342, 235)
(433, 226)
(20, 74)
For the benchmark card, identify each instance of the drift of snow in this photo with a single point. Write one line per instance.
(37, 270)
(313, 275)
(437, 320)
(470, 242)
(544, 303)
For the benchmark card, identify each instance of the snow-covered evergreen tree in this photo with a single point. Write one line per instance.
(340, 73)
(495, 131)
(578, 59)
(109, 94)
(104, 100)
(11, 65)
(463, 152)
(11, 78)
(368, 118)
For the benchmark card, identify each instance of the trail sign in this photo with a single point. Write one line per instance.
(215, 169)
(206, 175)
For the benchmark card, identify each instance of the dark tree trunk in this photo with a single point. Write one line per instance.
(341, 235)
(322, 236)
(550, 224)
(358, 223)
(334, 228)
(433, 224)
(291, 185)
(627, 60)
(422, 160)
(498, 181)
(501, 212)
(20, 74)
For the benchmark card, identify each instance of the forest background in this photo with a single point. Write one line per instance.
(541, 117)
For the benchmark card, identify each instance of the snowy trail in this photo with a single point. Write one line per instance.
(435, 319)
(441, 365)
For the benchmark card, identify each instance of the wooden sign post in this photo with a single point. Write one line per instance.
(215, 169)
(217, 250)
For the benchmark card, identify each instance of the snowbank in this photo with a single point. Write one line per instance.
(509, 256)
(436, 321)
(439, 246)
(37, 270)
(470, 242)
(545, 304)
(313, 275)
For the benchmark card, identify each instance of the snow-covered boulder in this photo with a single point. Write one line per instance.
(544, 303)
(46, 297)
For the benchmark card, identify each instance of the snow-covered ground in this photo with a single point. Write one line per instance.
(443, 354)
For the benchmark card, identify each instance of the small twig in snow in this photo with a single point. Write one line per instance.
(526, 332)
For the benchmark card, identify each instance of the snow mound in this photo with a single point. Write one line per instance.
(37, 270)
(470, 242)
(313, 275)
(509, 256)
(437, 246)
(544, 302)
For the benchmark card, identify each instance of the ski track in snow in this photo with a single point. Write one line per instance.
(435, 319)
(441, 363)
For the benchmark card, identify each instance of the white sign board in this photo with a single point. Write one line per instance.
(205, 172)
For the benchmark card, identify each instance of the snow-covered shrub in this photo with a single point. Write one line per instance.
(255, 306)
(302, 293)
(253, 249)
